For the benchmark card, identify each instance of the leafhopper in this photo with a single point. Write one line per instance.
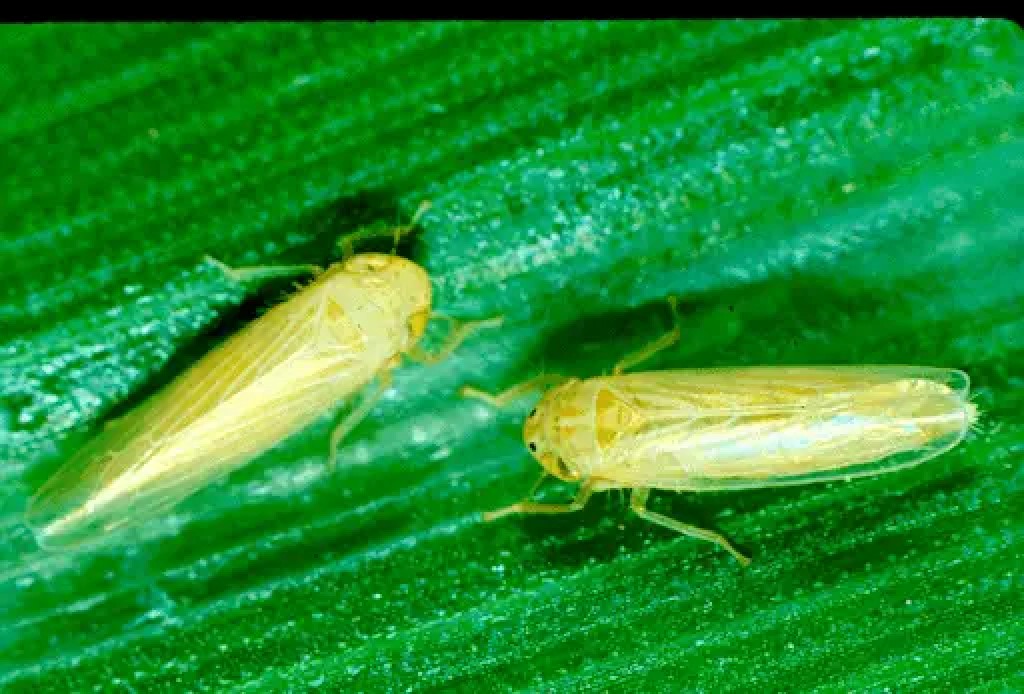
(734, 428)
(351, 325)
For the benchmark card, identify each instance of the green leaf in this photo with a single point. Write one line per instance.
(814, 192)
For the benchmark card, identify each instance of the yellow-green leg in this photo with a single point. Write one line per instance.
(649, 350)
(506, 397)
(352, 420)
(527, 506)
(260, 273)
(460, 332)
(638, 503)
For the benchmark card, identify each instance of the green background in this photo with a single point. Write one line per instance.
(814, 192)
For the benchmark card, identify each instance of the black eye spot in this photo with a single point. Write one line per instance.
(533, 411)
(533, 446)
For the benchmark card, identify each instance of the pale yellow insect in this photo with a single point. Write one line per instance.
(735, 428)
(352, 324)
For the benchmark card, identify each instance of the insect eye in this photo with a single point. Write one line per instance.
(533, 411)
(533, 446)
(418, 322)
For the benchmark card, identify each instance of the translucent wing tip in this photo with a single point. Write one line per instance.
(959, 382)
(51, 531)
(973, 417)
(60, 520)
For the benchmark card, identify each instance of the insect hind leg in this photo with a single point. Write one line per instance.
(638, 503)
(352, 420)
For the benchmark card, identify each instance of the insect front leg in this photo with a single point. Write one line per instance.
(259, 273)
(458, 335)
(638, 503)
(652, 348)
(357, 415)
(527, 506)
(506, 397)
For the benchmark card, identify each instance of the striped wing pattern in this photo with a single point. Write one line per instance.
(275, 374)
(746, 428)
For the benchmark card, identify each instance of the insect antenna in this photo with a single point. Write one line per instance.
(348, 242)
(401, 231)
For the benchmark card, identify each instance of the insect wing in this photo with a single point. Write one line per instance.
(273, 377)
(719, 429)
